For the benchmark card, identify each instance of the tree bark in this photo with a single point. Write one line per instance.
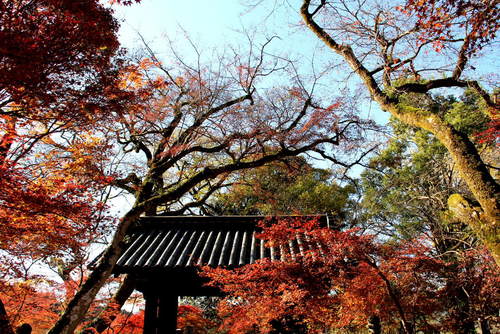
(471, 168)
(485, 326)
(406, 326)
(461, 300)
(374, 326)
(473, 216)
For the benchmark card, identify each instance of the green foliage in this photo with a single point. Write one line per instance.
(468, 115)
(292, 186)
(406, 189)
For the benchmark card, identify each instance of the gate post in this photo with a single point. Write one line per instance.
(168, 313)
(151, 313)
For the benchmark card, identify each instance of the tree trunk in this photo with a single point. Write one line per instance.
(465, 211)
(5, 327)
(484, 221)
(119, 298)
(78, 306)
(485, 326)
(406, 326)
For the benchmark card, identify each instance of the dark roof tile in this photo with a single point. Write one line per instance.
(182, 242)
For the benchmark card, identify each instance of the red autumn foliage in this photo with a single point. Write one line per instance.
(56, 59)
(127, 323)
(492, 134)
(58, 80)
(25, 304)
(342, 279)
(49, 207)
(35, 302)
(38, 302)
(439, 20)
(476, 275)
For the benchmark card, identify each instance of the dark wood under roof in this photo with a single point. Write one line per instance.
(160, 244)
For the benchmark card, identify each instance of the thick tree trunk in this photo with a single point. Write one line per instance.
(119, 298)
(5, 326)
(78, 306)
(484, 221)
(474, 218)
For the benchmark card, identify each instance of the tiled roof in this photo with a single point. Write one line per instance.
(188, 241)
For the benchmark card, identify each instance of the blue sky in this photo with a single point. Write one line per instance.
(219, 23)
(215, 23)
(211, 22)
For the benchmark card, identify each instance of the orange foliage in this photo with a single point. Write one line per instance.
(127, 323)
(38, 302)
(189, 316)
(25, 304)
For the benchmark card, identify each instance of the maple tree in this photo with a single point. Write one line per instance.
(27, 305)
(128, 323)
(58, 81)
(191, 318)
(476, 276)
(51, 207)
(52, 203)
(56, 59)
(436, 20)
(39, 300)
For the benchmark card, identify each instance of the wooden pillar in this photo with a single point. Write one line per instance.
(160, 314)
(168, 314)
(151, 313)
